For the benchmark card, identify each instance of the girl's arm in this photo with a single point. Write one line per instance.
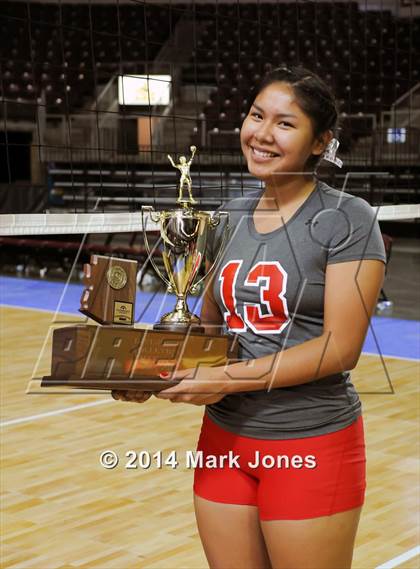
(351, 292)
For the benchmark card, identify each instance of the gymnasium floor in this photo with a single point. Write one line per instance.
(61, 509)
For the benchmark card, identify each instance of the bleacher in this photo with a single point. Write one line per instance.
(55, 57)
(369, 58)
(66, 50)
(57, 254)
(116, 188)
(56, 54)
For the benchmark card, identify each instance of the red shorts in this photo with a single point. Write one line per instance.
(289, 479)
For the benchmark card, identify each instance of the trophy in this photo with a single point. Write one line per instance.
(121, 355)
(184, 232)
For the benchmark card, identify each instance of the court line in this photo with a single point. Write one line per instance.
(400, 559)
(56, 412)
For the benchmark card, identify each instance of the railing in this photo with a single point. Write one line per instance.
(400, 118)
(81, 137)
(405, 111)
(408, 95)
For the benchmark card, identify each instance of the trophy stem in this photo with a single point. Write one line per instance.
(180, 318)
(181, 306)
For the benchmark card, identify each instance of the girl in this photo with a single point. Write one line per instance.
(297, 282)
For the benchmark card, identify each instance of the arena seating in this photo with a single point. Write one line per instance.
(368, 57)
(53, 253)
(57, 54)
(66, 50)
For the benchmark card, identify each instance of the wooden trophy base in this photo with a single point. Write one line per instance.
(118, 357)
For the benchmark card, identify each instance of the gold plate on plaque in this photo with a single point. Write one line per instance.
(116, 277)
(123, 312)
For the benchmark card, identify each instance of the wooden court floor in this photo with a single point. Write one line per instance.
(61, 509)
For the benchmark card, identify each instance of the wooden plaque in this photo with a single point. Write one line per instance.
(118, 357)
(110, 293)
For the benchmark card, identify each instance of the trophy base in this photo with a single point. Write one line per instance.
(123, 358)
(150, 384)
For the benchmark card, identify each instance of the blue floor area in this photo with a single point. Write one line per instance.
(49, 295)
(388, 336)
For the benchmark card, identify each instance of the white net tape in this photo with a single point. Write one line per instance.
(72, 223)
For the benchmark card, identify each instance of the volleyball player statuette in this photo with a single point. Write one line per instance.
(184, 232)
(118, 354)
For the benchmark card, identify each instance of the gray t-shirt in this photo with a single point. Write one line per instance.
(270, 289)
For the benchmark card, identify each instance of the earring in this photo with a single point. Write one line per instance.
(330, 153)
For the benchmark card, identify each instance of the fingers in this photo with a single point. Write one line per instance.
(133, 396)
(139, 396)
(117, 395)
(170, 394)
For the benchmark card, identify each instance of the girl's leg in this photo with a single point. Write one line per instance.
(318, 543)
(309, 516)
(225, 502)
(231, 535)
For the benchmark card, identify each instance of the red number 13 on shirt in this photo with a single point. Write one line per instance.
(272, 280)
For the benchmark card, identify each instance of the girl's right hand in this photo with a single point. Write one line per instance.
(133, 396)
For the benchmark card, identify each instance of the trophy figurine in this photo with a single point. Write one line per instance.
(184, 234)
(184, 168)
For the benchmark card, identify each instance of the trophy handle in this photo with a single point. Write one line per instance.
(155, 218)
(214, 223)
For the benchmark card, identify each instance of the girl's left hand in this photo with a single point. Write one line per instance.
(199, 386)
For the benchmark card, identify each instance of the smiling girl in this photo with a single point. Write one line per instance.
(298, 283)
